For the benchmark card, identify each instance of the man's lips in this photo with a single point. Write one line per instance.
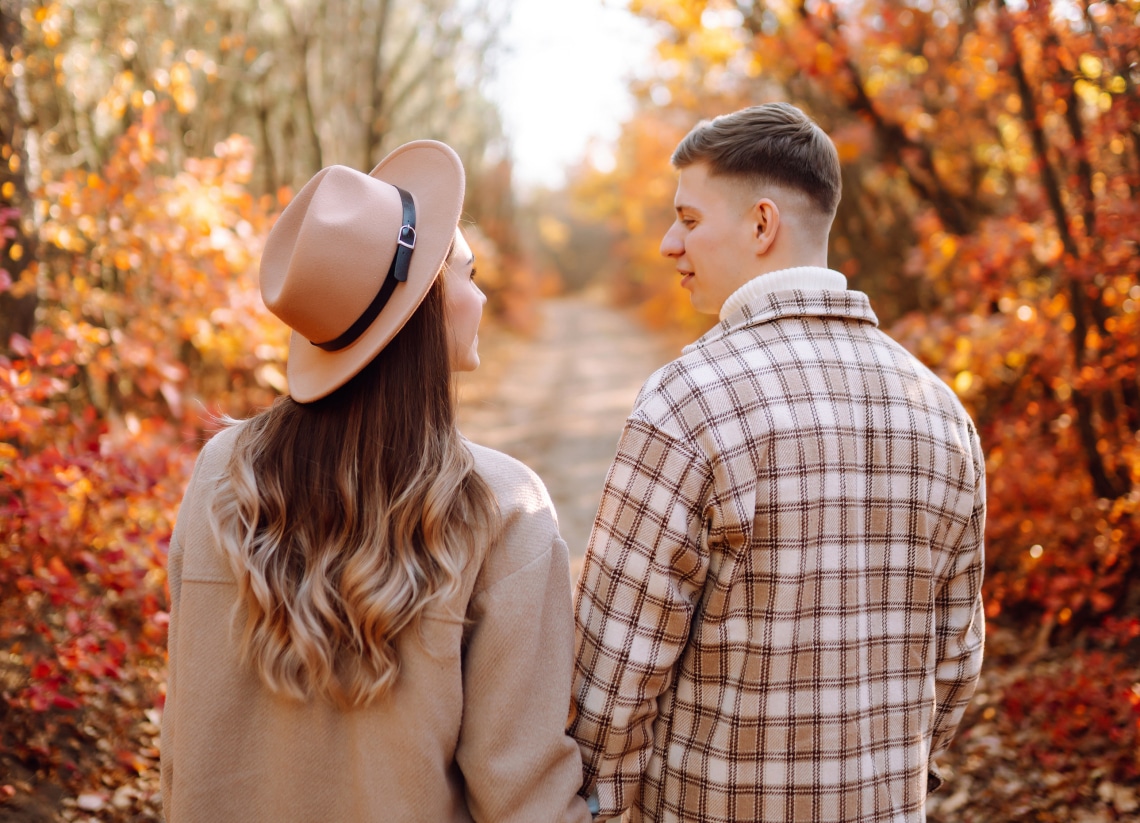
(686, 278)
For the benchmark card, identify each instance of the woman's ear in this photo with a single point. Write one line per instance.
(766, 224)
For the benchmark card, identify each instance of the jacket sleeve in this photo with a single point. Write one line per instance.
(960, 628)
(642, 578)
(518, 763)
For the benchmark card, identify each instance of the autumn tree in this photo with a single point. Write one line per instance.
(313, 83)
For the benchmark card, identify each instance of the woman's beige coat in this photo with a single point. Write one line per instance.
(474, 730)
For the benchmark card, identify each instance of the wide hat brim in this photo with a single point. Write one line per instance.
(433, 174)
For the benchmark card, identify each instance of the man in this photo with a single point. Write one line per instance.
(779, 614)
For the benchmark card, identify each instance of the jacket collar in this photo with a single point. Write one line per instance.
(765, 306)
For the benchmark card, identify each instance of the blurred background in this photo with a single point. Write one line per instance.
(991, 161)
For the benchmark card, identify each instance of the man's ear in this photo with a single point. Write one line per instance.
(765, 224)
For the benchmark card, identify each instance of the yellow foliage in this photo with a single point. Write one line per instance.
(1088, 92)
(1091, 66)
(181, 247)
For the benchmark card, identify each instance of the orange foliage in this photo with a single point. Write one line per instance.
(150, 322)
(153, 279)
(635, 200)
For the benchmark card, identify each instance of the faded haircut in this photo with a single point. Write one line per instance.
(774, 144)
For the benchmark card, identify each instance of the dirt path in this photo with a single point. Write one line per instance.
(557, 401)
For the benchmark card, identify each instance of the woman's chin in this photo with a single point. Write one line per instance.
(469, 363)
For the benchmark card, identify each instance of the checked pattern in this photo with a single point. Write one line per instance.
(779, 610)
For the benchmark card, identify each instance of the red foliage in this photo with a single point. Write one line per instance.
(86, 515)
(1045, 738)
(151, 304)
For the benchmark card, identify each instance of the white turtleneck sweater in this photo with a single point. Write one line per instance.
(800, 277)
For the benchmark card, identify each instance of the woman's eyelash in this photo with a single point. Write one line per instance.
(472, 272)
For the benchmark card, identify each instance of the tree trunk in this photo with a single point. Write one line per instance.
(18, 304)
(1106, 483)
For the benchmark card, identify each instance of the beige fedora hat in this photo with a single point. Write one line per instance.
(352, 256)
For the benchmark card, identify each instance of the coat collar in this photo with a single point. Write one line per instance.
(767, 306)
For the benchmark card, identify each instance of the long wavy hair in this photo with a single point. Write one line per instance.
(343, 519)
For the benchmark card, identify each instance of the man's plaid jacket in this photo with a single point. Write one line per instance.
(779, 613)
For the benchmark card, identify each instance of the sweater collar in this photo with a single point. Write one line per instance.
(804, 299)
(800, 277)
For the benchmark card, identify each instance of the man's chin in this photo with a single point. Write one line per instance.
(701, 306)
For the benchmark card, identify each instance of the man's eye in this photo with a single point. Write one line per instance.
(472, 272)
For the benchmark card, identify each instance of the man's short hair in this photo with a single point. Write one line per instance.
(774, 143)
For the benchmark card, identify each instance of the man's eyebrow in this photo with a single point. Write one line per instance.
(680, 207)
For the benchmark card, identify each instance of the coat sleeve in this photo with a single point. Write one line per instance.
(174, 580)
(960, 628)
(643, 575)
(190, 513)
(518, 763)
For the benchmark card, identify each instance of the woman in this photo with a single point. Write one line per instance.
(370, 615)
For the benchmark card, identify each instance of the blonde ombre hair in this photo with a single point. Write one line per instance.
(343, 519)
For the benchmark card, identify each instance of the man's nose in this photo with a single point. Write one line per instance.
(671, 245)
